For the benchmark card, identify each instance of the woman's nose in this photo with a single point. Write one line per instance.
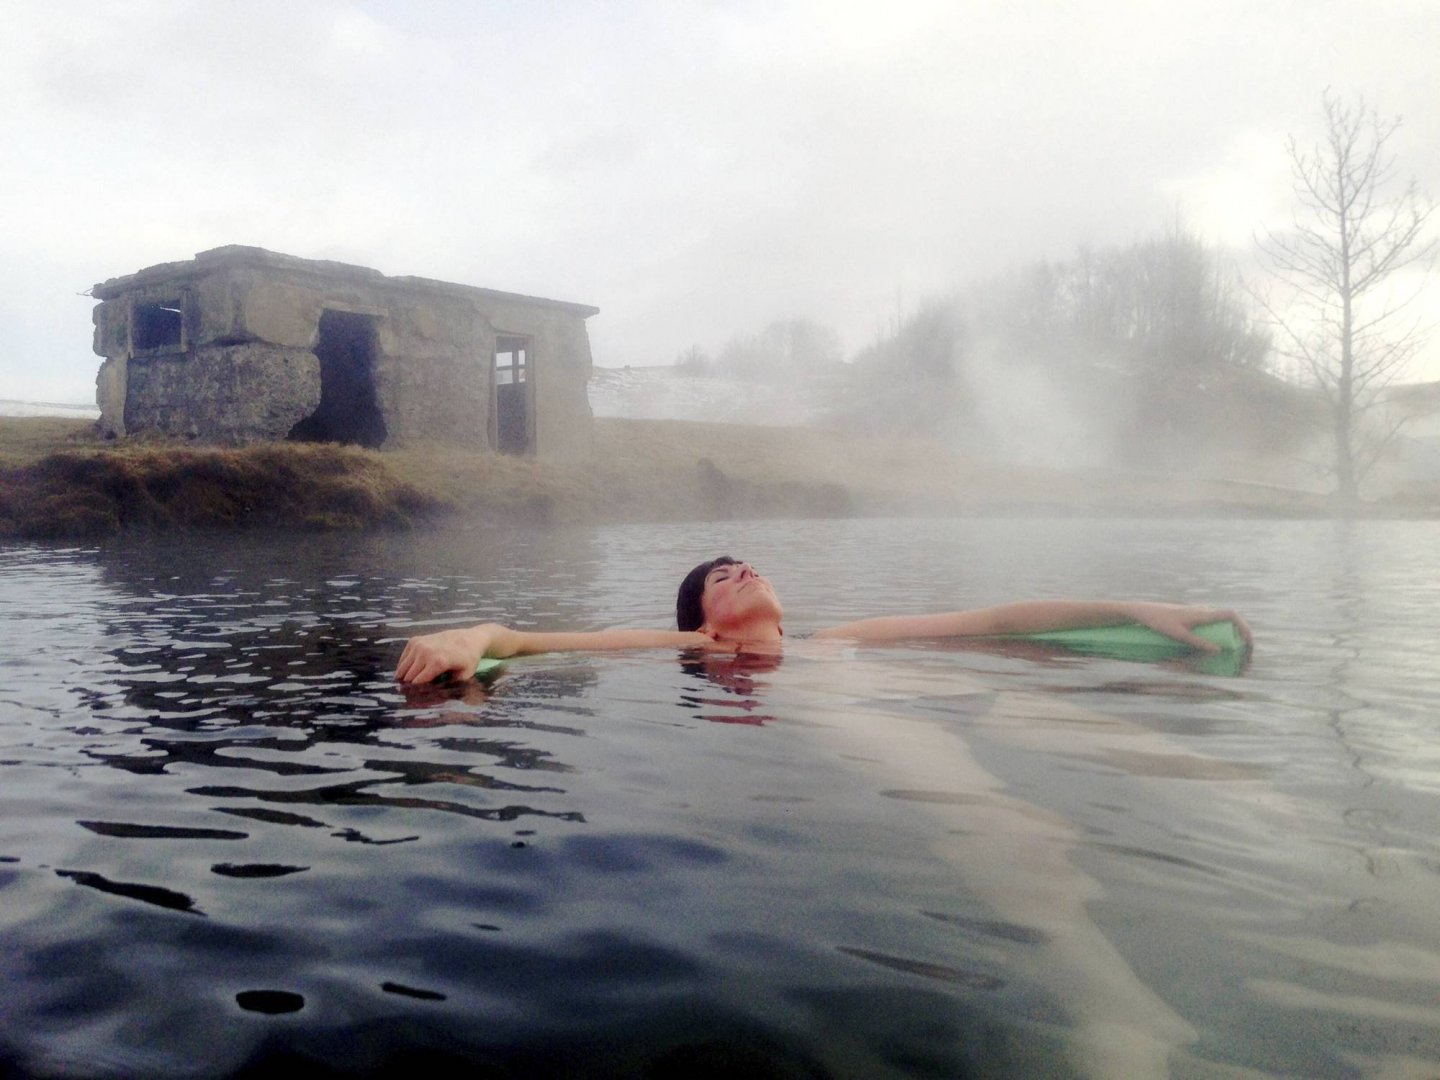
(746, 570)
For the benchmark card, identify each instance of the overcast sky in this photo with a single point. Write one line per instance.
(695, 170)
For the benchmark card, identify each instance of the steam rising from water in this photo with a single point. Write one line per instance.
(1025, 416)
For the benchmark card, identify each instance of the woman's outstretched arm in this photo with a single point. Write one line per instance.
(1173, 620)
(458, 652)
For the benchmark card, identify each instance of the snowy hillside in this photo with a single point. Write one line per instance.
(43, 408)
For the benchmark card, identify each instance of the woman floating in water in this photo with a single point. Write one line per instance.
(724, 605)
(1014, 856)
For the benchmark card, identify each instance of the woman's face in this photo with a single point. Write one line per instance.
(736, 596)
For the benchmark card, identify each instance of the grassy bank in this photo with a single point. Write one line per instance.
(91, 492)
(57, 481)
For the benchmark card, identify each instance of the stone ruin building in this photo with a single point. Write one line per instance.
(240, 344)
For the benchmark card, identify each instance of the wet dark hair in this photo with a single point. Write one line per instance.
(689, 615)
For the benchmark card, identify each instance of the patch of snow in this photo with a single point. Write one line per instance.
(667, 393)
(47, 408)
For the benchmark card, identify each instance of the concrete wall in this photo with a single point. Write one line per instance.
(245, 369)
(251, 392)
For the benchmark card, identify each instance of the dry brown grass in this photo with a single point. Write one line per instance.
(24, 440)
(94, 492)
(56, 480)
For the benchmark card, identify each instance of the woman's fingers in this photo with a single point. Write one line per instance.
(1183, 632)
(407, 659)
(429, 656)
(1179, 622)
(1212, 615)
(419, 663)
(1242, 626)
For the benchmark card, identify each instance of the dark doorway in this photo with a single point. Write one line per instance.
(348, 412)
(514, 424)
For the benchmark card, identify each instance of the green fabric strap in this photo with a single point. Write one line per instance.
(1135, 642)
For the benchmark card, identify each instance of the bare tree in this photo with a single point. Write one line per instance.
(693, 362)
(1353, 231)
(787, 349)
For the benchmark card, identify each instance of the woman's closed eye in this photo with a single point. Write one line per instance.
(727, 573)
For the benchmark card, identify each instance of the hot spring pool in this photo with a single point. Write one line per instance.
(228, 841)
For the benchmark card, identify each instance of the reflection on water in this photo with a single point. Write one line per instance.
(226, 835)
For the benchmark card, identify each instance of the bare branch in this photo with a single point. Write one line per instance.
(1351, 234)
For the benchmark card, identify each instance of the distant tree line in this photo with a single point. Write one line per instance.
(1108, 352)
(1162, 305)
(785, 350)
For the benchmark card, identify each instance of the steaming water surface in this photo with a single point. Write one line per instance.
(229, 840)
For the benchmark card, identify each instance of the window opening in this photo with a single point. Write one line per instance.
(157, 326)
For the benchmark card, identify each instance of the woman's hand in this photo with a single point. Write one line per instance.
(457, 652)
(1179, 620)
